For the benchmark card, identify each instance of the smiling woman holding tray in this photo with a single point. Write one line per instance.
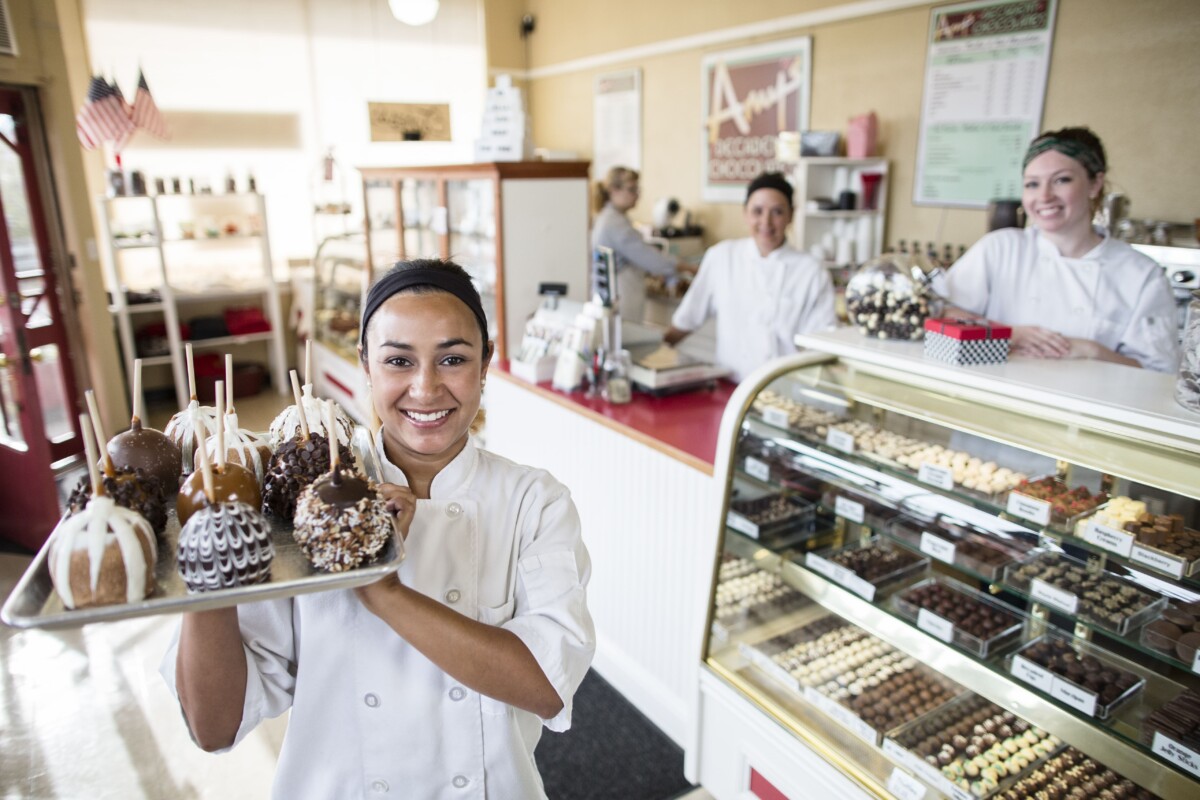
(438, 677)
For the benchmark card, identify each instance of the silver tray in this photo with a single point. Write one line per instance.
(34, 603)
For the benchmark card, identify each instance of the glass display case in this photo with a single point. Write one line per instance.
(511, 225)
(944, 591)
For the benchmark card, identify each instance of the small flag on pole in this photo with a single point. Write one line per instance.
(146, 115)
(103, 117)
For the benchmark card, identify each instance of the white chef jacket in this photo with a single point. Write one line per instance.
(634, 259)
(1113, 295)
(761, 303)
(373, 718)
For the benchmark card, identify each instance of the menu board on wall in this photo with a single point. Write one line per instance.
(617, 122)
(750, 95)
(985, 83)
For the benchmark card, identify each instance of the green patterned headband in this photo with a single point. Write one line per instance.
(1089, 158)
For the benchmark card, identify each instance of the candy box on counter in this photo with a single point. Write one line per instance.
(966, 341)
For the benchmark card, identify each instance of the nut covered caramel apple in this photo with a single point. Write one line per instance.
(342, 522)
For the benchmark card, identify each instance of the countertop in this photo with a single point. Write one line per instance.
(684, 425)
(1139, 398)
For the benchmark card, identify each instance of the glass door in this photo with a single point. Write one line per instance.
(39, 432)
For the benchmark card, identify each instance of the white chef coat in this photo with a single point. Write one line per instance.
(634, 259)
(370, 716)
(760, 303)
(1113, 295)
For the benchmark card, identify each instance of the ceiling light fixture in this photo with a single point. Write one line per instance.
(414, 12)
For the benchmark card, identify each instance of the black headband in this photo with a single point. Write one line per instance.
(401, 277)
(770, 180)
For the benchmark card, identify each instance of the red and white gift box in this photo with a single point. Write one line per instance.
(966, 341)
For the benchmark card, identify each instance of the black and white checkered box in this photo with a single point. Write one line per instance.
(966, 341)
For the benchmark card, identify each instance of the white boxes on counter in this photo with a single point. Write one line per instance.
(504, 132)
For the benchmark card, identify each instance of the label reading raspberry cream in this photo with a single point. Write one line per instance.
(1029, 508)
(849, 509)
(1111, 539)
(757, 469)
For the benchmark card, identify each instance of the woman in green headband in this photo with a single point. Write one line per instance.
(1067, 289)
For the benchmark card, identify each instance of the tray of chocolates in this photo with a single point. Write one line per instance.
(970, 748)
(781, 411)
(1050, 501)
(1095, 596)
(958, 545)
(959, 615)
(860, 681)
(216, 548)
(771, 516)
(1160, 542)
(867, 567)
(1173, 731)
(1071, 775)
(1176, 633)
(1076, 674)
(749, 595)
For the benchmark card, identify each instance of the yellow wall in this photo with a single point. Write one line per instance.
(52, 57)
(1129, 70)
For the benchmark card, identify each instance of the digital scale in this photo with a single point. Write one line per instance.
(684, 374)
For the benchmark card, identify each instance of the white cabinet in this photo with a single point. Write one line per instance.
(842, 233)
(173, 258)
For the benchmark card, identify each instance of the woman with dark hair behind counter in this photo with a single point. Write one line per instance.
(1066, 287)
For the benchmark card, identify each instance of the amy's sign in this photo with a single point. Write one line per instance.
(750, 95)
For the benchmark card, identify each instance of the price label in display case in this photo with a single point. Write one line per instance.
(845, 507)
(1029, 508)
(1053, 596)
(1111, 539)
(905, 786)
(1177, 754)
(840, 440)
(775, 416)
(757, 469)
(934, 475)
(1147, 557)
(937, 547)
(935, 626)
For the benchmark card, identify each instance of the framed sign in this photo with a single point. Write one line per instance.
(750, 95)
(985, 85)
(409, 122)
(617, 122)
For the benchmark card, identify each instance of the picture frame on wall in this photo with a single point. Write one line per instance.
(749, 95)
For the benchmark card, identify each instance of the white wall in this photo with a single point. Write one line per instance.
(317, 61)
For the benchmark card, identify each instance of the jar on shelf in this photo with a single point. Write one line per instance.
(1187, 386)
(884, 299)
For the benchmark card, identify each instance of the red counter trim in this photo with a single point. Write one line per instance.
(683, 426)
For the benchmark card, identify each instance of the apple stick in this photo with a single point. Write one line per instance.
(206, 471)
(137, 390)
(308, 376)
(220, 426)
(187, 349)
(229, 384)
(89, 449)
(98, 426)
(333, 440)
(300, 407)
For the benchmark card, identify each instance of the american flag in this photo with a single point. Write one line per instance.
(103, 117)
(145, 111)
